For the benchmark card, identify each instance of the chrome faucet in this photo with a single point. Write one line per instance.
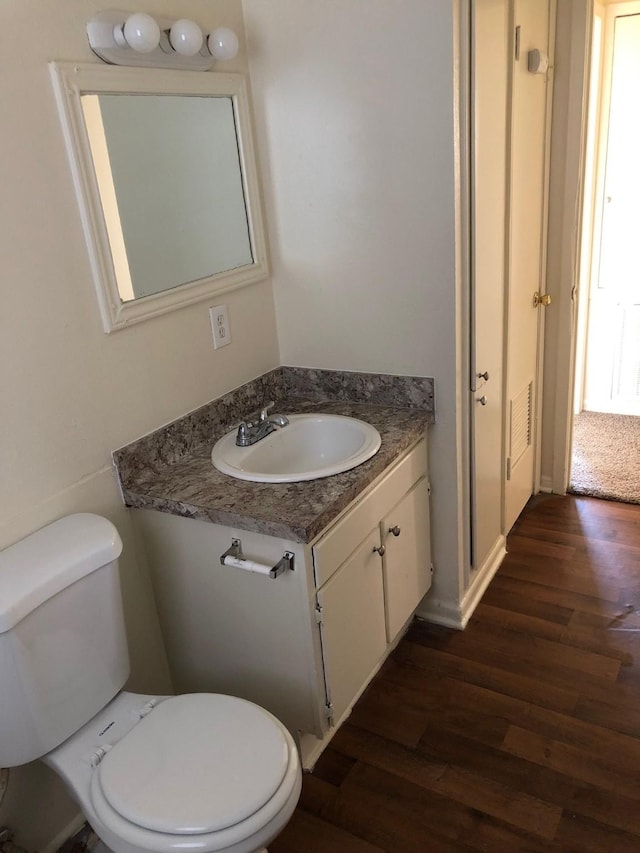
(258, 426)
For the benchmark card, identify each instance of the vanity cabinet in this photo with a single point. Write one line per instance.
(305, 644)
(369, 586)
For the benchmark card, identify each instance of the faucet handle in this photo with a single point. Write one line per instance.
(259, 416)
(264, 412)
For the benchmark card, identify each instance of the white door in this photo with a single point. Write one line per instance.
(526, 247)
(407, 559)
(613, 349)
(353, 624)
(490, 61)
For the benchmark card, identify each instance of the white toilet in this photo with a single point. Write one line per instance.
(199, 772)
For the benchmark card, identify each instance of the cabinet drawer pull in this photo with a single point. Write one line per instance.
(395, 530)
(379, 550)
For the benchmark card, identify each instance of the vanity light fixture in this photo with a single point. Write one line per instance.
(223, 43)
(138, 39)
(186, 37)
(140, 32)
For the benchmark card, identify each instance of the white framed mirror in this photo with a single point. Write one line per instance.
(165, 173)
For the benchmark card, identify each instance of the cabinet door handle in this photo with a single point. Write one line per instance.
(395, 530)
(379, 549)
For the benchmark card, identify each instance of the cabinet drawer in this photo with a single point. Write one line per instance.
(344, 537)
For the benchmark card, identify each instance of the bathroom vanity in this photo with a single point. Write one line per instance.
(306, 643)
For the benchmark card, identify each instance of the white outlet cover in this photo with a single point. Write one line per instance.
(220, 327)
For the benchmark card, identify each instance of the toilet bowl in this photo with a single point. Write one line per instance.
(152, 774)
(200, 771)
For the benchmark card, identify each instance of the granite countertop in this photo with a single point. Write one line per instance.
(170, 469)
(190, 486)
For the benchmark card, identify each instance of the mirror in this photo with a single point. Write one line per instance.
(165, 175)
(169, 219)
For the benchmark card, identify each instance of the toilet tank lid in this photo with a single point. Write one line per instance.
(44, 563)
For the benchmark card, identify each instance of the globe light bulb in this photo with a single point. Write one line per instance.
(186, 37)
(141, 32)
(223, 43)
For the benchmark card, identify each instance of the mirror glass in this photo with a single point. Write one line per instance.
(165, 174)
(170, 185)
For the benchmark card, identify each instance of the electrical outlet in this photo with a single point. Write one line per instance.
(220, 326)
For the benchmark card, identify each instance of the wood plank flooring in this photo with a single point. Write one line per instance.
(521, 733)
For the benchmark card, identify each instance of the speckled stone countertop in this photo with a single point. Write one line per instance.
(155, 475)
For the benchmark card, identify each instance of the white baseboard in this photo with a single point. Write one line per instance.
(612, 407)
(483, 578)
(546, 484)
(311, 748)
(456, 614)
(439, 612)
(65, 834)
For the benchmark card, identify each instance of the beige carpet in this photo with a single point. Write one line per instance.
(606, 456)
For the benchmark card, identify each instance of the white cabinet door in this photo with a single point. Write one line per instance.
(353, 626)
(489, 80)
(527, 204)
(407, 563)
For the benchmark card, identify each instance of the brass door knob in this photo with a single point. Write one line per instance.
(543, 299)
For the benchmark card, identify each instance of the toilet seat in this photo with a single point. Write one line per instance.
(202, 771)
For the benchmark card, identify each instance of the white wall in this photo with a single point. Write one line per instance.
(354, 103)
(69, 394)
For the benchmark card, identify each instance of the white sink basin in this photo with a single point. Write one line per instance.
(309, 447)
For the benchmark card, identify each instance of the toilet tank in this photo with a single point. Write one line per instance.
(63, 651)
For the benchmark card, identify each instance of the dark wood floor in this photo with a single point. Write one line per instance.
(521, 733)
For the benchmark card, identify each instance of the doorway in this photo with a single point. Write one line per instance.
(608, 346)
(606, 405)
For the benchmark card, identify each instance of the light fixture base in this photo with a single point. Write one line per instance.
(100, 31)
